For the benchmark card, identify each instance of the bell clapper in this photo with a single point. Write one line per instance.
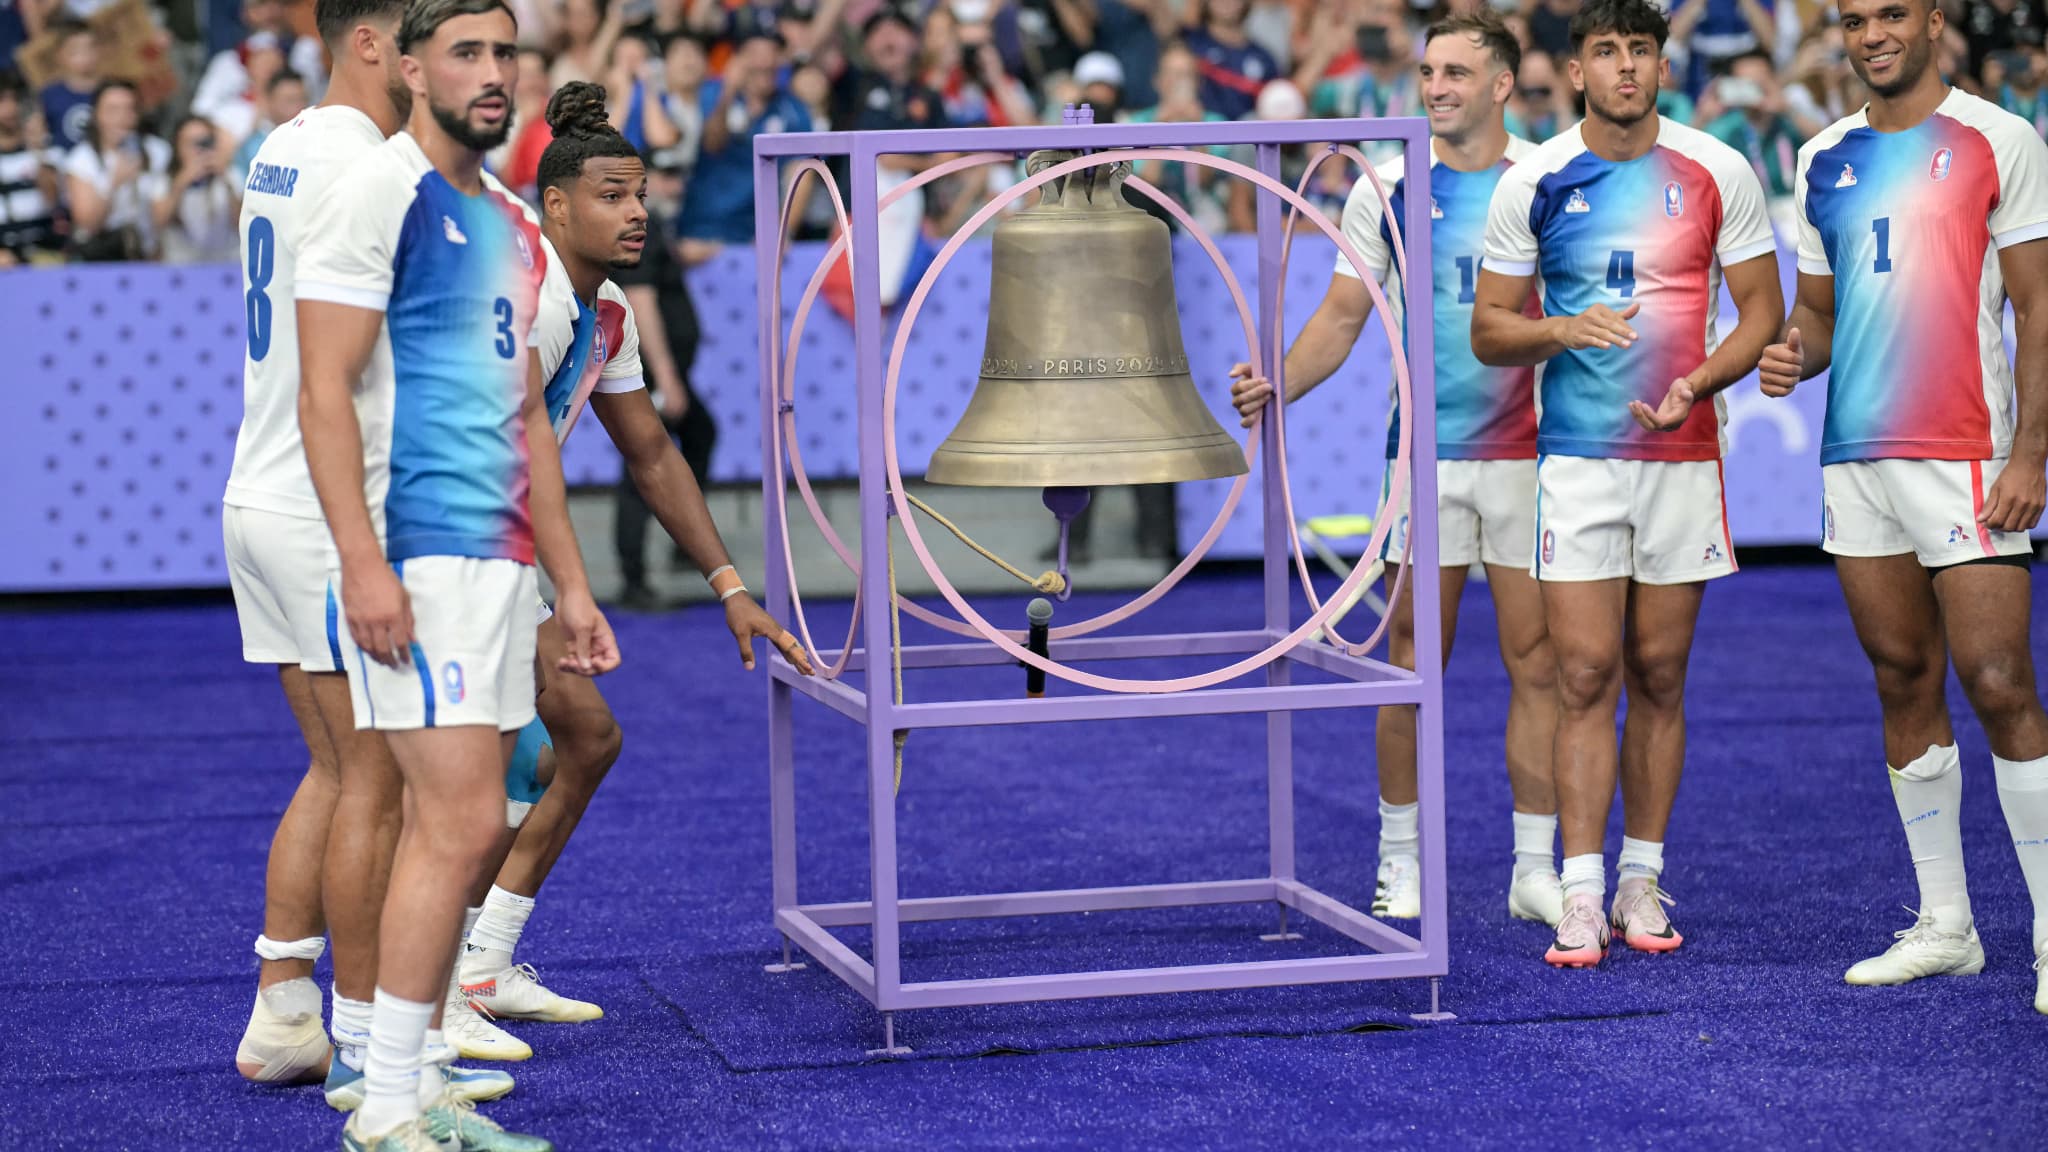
(1065, 503)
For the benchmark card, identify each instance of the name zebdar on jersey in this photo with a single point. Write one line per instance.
(272, 179)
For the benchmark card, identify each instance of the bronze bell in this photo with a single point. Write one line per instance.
(1084, 381)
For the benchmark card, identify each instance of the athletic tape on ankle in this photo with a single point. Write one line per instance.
(311, 948)
(522, 772)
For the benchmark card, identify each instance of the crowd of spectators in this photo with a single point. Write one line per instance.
(123, 137)
(127, 126)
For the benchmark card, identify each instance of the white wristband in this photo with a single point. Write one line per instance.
(713, 574)
(731, 592)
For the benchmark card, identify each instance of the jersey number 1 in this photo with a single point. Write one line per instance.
(1883, 227)
(1465, 279)
(262, 263)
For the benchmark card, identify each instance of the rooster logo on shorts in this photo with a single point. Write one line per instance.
(1958, 535)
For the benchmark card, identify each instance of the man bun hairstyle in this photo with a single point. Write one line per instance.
(583, 132)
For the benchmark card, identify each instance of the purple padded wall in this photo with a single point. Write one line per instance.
(125, 390)
(125, 383)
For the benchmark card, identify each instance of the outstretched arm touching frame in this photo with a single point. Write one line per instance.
(670, 490)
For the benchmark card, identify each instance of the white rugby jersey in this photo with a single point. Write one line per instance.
(583, 349)
(293, 165)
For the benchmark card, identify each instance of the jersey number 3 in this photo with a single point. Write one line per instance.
(505, 344)
(262, 264)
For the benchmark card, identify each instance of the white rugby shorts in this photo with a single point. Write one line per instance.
(1651, 521)
(1926, 507)
(472, 653)
(278, 567)
(1486, 512)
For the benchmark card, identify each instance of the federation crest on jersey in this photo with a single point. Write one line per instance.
(1577, 203)
(1943, 160)
(525, 249)
(1847, 179)
(1674, 200)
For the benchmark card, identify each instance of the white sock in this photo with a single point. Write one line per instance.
(1399, 833)
(351, 1029)
(391, 1076)
(495, 935)
(1929, 793)
(433, 1082)
(2023, 795)
(1585, 875)
(1640, 860)
(458, 973)
(1534, 837)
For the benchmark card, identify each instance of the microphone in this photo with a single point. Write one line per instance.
(1040, 613)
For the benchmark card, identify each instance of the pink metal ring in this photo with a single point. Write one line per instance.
(899, 498)
(1279, 410)
(786, 430)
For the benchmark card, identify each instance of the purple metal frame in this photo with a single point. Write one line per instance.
(1365, 682)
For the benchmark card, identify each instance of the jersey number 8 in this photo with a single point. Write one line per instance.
(262, 245)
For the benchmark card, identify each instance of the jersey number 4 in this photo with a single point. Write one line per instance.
(262, 264)
(1621, 272)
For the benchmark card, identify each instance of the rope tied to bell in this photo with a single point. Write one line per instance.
(1050, 582)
